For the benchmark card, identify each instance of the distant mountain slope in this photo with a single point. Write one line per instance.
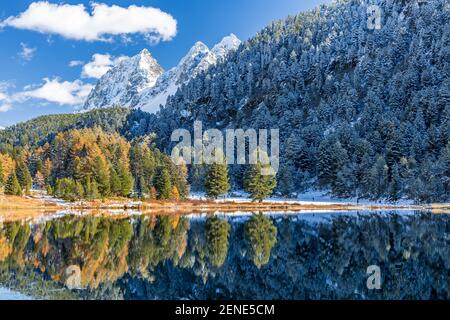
(42, 129)
(139, 82)
(122, 83)
(363, 111)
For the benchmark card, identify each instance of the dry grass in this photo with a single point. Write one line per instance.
(19, 208)
(19, 203)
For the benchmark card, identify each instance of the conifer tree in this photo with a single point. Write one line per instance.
(2, 178)
(217, 180)
(12, 186)
(163, 184)
(24, 176)
(394, 186)
(116, 186)
(49, 190)
(102, 177)
(126, 180)
(80, 193)
(259, 186)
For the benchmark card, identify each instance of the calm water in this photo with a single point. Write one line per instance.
(308, 256)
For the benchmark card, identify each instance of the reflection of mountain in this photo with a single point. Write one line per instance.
(243, 258)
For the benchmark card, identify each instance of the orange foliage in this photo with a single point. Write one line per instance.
(5, 248)
(8, 164)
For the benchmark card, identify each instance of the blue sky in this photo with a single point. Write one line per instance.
(37, 43)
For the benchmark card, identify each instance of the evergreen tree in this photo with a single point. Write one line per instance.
(2, 178)
(285, 181)
(12, 186)
(24, 176)
(345, 185)
(102, 177)
(394, 186)
(217, 181)
(79, 190)
(116, 185)
(49, 190)
(95, 193)
(378, 177)
(163, 184)
(126, 180)
(258, 185)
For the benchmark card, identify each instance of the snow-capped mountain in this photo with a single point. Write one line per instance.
(139, 82)
(123, 82)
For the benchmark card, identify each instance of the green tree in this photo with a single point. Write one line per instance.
(217, 180)
(80, 193)
(95, 193)
(12, 186)
(258, 184)
(394, 186)
(163, 184)
(2, 179)
(126, 180)
(116, 186)
(24, 176)
(49, 190)
(102, 177)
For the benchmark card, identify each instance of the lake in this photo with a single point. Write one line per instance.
(233, 256)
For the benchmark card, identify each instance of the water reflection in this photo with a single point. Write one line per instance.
(251, 257)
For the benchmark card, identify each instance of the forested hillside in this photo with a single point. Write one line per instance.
(363, 112)
(92, 164)
(43, 129)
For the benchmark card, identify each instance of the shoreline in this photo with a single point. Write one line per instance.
(19, 208)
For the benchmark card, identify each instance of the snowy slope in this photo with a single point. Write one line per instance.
(153, 87)
(122, 83)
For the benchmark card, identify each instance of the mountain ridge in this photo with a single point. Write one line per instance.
(140, 82)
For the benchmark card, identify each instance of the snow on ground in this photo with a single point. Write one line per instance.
(309, 197)
(6, 294)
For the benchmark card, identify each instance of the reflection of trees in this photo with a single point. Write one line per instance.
(261, 233)
(217, 234)
(326, 259)
(157, 240)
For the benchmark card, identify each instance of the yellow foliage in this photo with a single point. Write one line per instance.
(175, 193)
(8, 164)
(5, 248)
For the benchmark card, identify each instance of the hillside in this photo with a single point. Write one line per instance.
(362, 112)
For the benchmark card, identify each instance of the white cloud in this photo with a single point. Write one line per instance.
(27, 53)
(60, 92)
(99, 65)
(99, 24)
(5, 100)
(75, 63)
(4, 107)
